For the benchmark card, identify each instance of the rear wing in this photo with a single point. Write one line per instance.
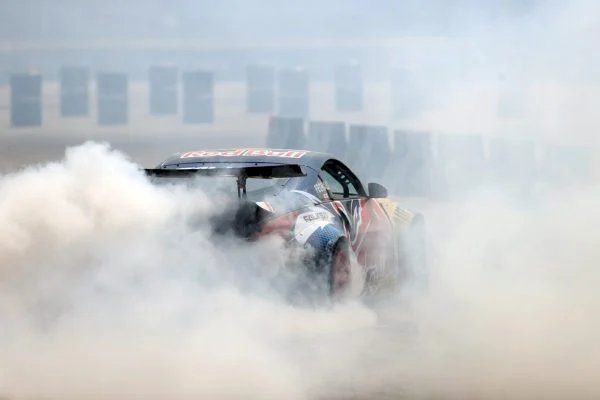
(254, 171)
(240, 173)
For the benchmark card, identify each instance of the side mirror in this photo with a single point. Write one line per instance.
(377, 191)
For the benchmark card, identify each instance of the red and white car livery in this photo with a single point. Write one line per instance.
(315, 201)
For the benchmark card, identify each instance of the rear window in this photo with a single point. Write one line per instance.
(256, 188)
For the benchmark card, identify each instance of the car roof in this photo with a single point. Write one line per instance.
(312, 159)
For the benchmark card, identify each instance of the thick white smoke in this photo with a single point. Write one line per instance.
(112, 287)
(513, 307)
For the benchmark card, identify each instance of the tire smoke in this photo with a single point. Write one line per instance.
(113, 287)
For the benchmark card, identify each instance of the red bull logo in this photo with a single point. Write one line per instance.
(245, 153)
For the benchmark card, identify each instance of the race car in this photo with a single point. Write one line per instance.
(315, 202)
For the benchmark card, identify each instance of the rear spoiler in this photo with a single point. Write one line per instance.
(258, 171)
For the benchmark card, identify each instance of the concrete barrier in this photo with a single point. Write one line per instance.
(328, 137)
(286, 133)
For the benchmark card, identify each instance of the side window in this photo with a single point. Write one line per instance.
(336, 190)
(340, 182)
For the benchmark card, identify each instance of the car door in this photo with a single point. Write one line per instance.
(368, 228)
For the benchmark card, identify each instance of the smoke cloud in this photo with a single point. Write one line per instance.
(113, 287)
(512, 310)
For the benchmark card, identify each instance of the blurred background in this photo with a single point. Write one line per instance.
(432, 97)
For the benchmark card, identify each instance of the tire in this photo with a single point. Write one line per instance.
(340, 271)
(322, 279)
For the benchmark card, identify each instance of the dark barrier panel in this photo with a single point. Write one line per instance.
(368, 150)
(198, 97)
(113, 105)
(349, 88)
(74, 92)
(460, 164)
(328, 137)
(409, 172)
(163, 90)
(406, 101)
(25, 100)
(293, 93)
(286, 133)
(260, 89)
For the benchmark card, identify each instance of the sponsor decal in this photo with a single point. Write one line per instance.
(244, 153)
(321, 190)
(309, 222)
(322, 215)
